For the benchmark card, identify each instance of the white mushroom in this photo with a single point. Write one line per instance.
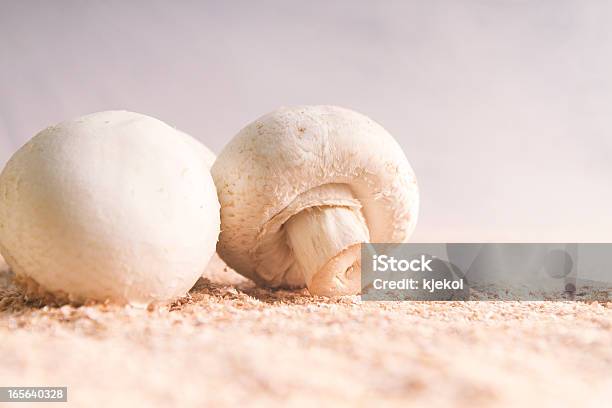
(112, 205)
(301, 188)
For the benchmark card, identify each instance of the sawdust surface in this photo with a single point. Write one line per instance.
(230, 343)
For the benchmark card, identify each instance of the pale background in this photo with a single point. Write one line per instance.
(504, 108)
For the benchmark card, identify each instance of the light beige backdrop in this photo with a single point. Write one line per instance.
(503, 107)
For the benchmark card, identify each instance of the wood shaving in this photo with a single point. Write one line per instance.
(229, 342)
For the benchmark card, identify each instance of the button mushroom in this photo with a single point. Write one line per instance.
(112, 205)
(301, 188)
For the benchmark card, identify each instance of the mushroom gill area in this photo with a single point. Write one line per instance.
(314, 241)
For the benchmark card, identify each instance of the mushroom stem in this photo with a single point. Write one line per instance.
(325, 242)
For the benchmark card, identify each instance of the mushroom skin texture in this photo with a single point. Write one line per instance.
(112, 205)
(302, 187)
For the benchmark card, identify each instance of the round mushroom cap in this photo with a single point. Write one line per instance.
(112, 205)
(302, 157)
